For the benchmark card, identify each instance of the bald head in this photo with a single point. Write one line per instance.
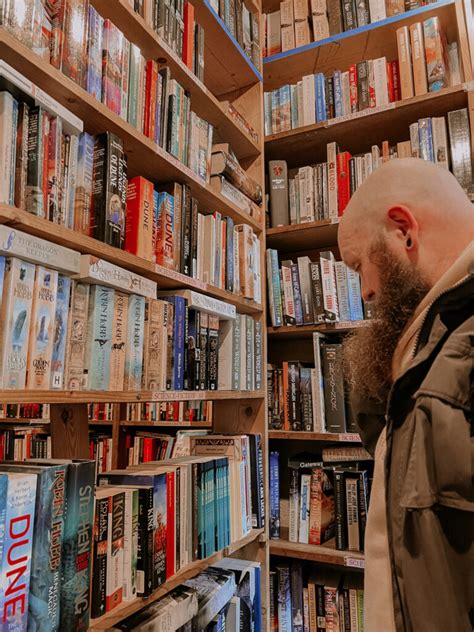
(417, 208)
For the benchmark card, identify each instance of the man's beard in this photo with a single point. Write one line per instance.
(368, 351)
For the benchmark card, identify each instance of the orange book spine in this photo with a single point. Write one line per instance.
(404, 59)
(189, 28)
(420, 81)
(151, 87)
(286, 397)
(139, 218)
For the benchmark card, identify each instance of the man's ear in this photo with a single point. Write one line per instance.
(402, 223)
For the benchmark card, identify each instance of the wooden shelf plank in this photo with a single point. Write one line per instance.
(227, 68)
(204, 103)
(323, 437)
(339, 51)
(358, 132)
(166, 279)
(193, 569)
(306, 331)
(307, 236)
(116, 397)
(325, 554)
(145, 158)
(197, 425)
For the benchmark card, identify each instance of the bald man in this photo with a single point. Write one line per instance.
(409, 232)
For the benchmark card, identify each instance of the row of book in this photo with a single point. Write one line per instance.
(101, 447)
(244, 26)
(193, 516)
(290, 26)
(328, 500)
(423, 65)
(226, 596)
(60, 333)
(310, 399)
(312, 292)
(303, 600)
(322, 191)
(192, 410)
(20, 442)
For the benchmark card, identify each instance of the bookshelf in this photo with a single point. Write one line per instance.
(306, 145)
(230, 97)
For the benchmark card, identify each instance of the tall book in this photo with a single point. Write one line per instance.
(460, 147)
(99, 338)
(140, 218)
(333, 388)
(134, 344)
(119, 341)
(58, 359)
(278, 176)
(77, 336)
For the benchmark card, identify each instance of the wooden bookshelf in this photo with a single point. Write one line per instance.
(322, 554)
(166, 279)
(366, 42)
(322, 437)
(196, 425)
(358, 132)
(189, 571)
(303, 236)
(145, 158)
(306, 331)
(204, 101)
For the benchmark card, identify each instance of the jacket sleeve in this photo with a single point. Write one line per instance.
(369, 416)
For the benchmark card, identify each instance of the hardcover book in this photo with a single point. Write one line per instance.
(41, 338)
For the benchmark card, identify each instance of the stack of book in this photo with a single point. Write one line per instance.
(328, 498)
(181, 411)
(63, 333)
(301, 599)
(292, 26)
(322, 191)
(312, 292)
(425, 64)
(29, 412)
(100, 412)
(101, 448)
(226, 596)
(47, 518)
(310, 399)
(20, 442)
(243, 25)
(192, 515)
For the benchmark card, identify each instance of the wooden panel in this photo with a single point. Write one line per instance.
(306, 331)
(145, 158)
(69, 431)
(203, 102)
(168, 424)
(191, 570)
(322, 437)
(358, 133)
(298, 237)
(166, 279)
(342, 50)
(325, 554)
(227, 67)
(240, 416)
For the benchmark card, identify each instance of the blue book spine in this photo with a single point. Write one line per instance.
(258, 599)
(274, 496)
(2, 277)
(218, 254)
(60, 331)
(94, 67)
(200, 487)
(355, 297)
(295, 278)
(77, 546)
(178, 338)
(425, 136)
(13, 152)
(229, 277)
(135, 341)
(210, 509)
(338, 102)
(218, 506)
(3, 513)
(99, 340)
(276, 285)
(17, 551)
(294, 106)
(342, 283)
(320, 83)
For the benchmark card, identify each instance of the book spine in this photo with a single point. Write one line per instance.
(145, 542)
(332, 180)
(34, 177)
(349, 15)
(420, 81)
(340, 511)
(305, 284)
(99, 340)
(294, 396)
(296, 581)
(294, 507)
(436, 54)
(273, 276)
(333, 388)
(284, 598)
(425, 134)
(342, 291)
(99, 561)
(274, 496)
(305, 483)
(405, 65)
(77, 545)
(458, 126)
(134, 345)
(355, 297)
(328, 280)
(352, 513)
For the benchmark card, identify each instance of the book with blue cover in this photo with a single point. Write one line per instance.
(425, 138)
(60, 332)
(45, 580)
(284, 597)
(320, 87)
(274, 496)
(99, 338)
(19, 495)
(135, 339)
(338, 100)
(355, 297)
(179, 304)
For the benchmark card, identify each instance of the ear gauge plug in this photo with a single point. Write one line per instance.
(409, 242)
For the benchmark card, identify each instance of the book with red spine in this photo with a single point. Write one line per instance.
(148, 449)
(170, 524)
(45, 146)
(353, 88)
(139, 218)
(112, 70)
(394, 74)
(343, 181)
(188, 42)
(151, 90)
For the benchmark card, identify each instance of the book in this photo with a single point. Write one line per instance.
(40, 346)
(226, 164)
(99, 271)
(99, 338)
(437, 67)
(460, 147)
(333, 387)
(134, 343)
(328, 279)
(119, 341)
(76, 340)
(321, 514)
(139, 225)
(405, 62)
(274, 496)
(418, 59)
(18, 287)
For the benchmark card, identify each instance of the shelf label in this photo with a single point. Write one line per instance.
(175, 396)
(361, 114)
(352, 437)
(354, 562)
(182, 278)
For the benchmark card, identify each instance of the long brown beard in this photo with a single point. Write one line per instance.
(368, 352)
